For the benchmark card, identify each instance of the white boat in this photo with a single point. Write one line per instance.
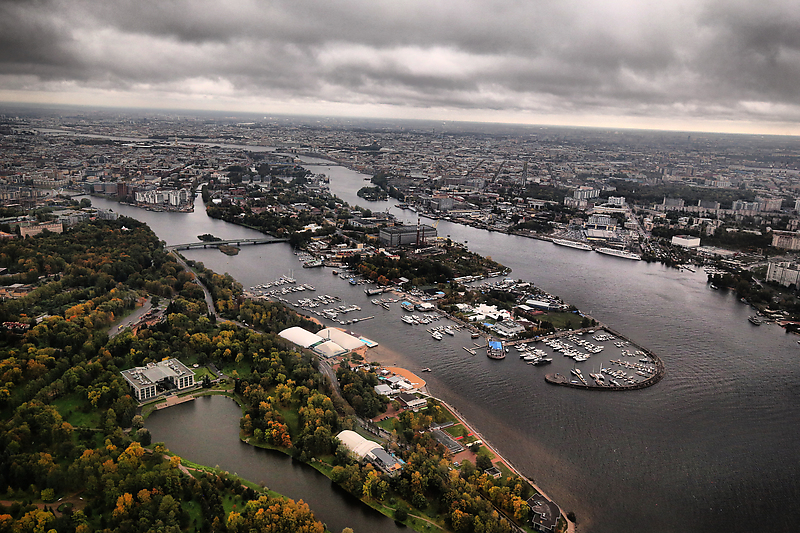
(407, 319)
(436, 335)
(449, 331)
(573, 244)
(624, 254)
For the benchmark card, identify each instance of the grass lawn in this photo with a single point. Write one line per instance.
(486, 451)
(420, 525)
(69, 407)
(292, 418)
(562, 320)
(232, 502)
(387, 424)
(505, 470)
(449, 417)
(468, 440)
(195, 512)
(242, 368)
(202, 371)
(457, 430)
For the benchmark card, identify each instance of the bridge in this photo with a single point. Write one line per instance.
(217, 244)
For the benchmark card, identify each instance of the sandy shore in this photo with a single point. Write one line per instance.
(411, 377)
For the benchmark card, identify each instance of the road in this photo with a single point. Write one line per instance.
(129, 320)
(209, 299)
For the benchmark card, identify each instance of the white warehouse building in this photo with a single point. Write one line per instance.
(686, 241)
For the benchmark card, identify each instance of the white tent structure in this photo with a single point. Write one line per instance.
(356, 443)
(345, 340)
(301, 337)
(321, 345)
(329, 349)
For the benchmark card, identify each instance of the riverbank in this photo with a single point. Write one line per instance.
(499, 456)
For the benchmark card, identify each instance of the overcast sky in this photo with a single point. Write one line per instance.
(714, 65)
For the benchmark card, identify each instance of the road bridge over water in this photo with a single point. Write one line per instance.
(217, 244)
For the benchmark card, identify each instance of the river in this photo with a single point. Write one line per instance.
(709, 448)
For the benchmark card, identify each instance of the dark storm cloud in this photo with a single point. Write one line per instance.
(617, 57)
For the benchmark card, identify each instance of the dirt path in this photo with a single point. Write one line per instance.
(75, 499)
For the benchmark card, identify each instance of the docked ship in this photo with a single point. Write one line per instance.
(573, 244)
(624, 254)
(495, 350)
(754, 320)
(316, 263)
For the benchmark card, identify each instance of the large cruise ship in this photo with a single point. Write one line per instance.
(624, 254)
(573, 244)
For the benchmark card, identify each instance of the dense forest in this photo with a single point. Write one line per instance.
(70, 431)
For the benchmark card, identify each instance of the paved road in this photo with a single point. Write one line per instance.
(129, 320)
(209, 299)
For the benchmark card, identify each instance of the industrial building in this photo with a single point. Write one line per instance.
(686, 241)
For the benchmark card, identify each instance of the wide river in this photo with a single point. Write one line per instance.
(712, 447)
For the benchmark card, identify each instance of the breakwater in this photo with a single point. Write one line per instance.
(660, 370)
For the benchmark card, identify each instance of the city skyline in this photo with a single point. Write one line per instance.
(695, 66)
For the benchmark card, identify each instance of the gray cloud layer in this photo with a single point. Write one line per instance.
(711, 59)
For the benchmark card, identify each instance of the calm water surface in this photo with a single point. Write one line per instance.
(712, 447)
(185, 429)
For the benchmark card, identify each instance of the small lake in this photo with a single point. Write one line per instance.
(206, 431)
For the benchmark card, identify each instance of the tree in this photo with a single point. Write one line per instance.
(144, 436)
(483, 461)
